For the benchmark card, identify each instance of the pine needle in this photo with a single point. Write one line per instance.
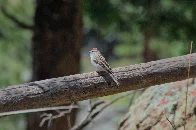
(187, 84)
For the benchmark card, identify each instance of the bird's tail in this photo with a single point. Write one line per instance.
(115, 79)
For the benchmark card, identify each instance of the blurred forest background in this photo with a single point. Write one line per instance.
(126, 32)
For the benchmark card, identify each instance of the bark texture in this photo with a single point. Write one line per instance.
(56, 48)
(68, 89)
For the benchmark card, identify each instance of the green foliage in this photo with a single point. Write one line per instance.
(177, 47)
(14, 122)
(171, 22)
(101, 12)
(15, 59)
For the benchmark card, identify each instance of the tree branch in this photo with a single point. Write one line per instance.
(37, 110)
(90, 116)
(49, 117)
(16, 21)
(69, 89)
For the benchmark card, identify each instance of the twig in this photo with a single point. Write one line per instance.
(94, 106)
(69, 121)
(92, 115)
(173, 126)
(49, 125)
(90, 104)
(50, 117)
(36, 110)
(187, 83)
(125, 118)
(16, 21)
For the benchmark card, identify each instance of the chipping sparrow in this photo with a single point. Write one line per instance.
(99, 62)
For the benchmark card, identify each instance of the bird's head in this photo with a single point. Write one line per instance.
(94, 52)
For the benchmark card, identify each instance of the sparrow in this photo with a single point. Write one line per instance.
(99, 62)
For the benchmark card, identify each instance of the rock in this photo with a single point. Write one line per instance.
(158, 102)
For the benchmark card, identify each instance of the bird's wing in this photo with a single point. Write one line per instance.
(102, 62)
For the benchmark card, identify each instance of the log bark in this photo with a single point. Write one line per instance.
(68, 89)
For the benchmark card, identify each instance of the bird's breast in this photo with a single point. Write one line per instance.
(97, 66)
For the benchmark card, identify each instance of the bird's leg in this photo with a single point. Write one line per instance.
(105, 76)
(101, 73)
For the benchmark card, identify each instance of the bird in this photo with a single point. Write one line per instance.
(99, 62)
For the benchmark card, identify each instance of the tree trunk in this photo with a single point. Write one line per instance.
(55, 48)
(149, 54)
